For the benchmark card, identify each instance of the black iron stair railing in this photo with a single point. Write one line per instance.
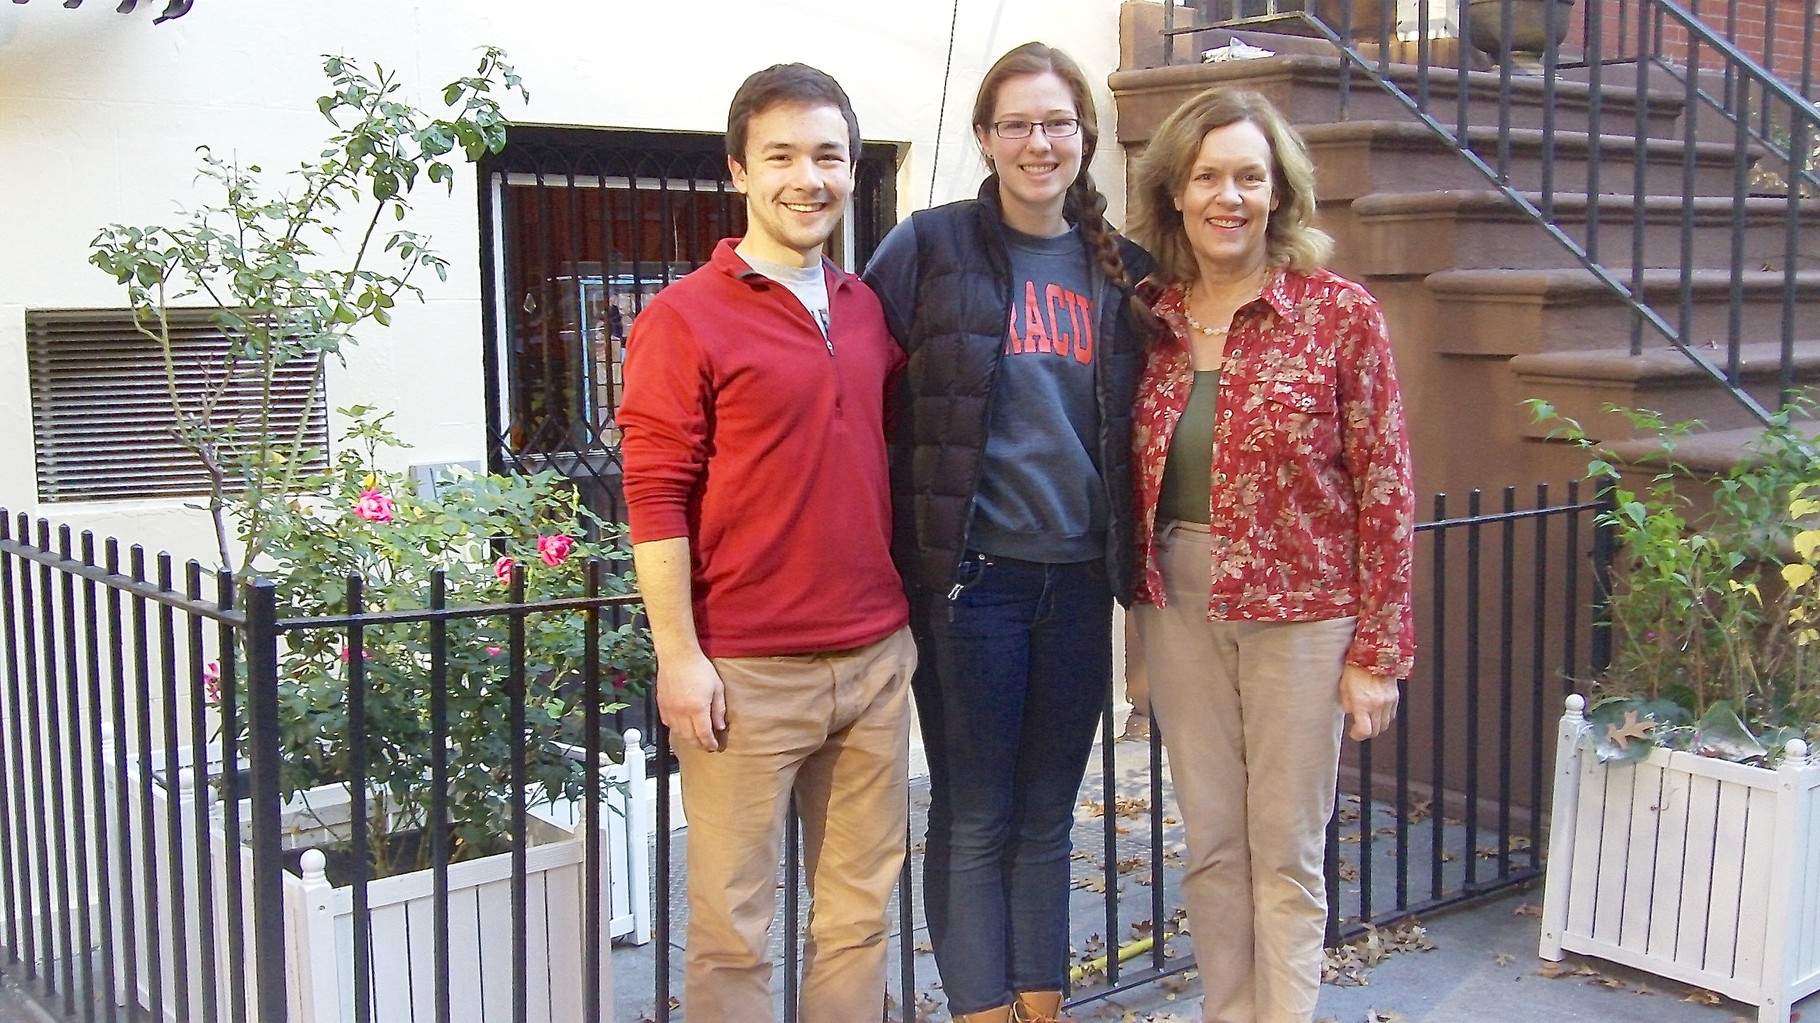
(1655, 53)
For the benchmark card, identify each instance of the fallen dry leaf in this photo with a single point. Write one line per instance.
(1417, 811)
(1633, 727)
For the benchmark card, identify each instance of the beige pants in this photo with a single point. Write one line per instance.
(1250, 715)
(833, 728)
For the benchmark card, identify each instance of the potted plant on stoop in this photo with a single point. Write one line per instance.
(284, 509)
(1684, 836)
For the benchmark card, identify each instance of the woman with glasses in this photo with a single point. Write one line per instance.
(1012, 492)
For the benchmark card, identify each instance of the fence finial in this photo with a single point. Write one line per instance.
(315, 867)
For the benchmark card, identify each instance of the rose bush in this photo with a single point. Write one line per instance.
(476, 535)
(285, 283)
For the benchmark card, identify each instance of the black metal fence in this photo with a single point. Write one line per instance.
(165, 787)
(1669, 151)
(1446, 807)
(154, 831)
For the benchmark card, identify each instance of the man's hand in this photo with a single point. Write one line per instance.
(692, 701)
(690, 696)
(1369, 699)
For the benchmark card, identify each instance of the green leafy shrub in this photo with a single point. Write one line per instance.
(1712, 617)
(285, 283)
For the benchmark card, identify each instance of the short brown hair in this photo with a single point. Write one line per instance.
(786, 83)
(1290, 240)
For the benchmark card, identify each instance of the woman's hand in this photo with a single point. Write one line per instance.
(1369, 699)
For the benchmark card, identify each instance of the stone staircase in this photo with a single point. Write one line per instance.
(1485, 308)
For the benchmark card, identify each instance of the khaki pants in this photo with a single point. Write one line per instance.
(1250, 715)
(832, 728)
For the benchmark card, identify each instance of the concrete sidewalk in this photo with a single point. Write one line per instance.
(1482, 967)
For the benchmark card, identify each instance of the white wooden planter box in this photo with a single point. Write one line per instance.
(1700, 870)
(319, 931)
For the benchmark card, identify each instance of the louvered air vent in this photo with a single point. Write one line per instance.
(101, 415)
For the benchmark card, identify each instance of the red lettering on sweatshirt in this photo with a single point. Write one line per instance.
(1082, 311)
(1059, 323)
(1037, 333)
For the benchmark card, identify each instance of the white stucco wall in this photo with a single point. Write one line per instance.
(100, 114)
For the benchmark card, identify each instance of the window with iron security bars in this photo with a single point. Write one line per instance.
(102, 424)
(580, 229)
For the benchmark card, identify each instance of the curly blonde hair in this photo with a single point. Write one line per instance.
(1291, 239)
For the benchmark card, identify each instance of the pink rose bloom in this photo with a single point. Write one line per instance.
(211, 681)
(494, 651)
(365, 654)
(374, 506)
(554, 549)
(502, 569)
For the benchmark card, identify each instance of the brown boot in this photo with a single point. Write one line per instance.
(1002, 1014)
(1037, 1007)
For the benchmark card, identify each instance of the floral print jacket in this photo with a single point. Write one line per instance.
(1313, 511)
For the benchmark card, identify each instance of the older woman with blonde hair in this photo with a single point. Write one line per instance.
(1275, 521)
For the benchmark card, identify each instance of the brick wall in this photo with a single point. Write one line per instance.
(1757, 27)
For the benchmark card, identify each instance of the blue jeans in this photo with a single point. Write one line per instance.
(1014, 671)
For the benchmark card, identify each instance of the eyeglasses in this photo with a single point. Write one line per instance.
(1055, 128)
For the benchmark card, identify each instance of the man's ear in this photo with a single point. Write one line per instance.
(737, 173)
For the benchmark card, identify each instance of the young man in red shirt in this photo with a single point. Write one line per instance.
(756, 479)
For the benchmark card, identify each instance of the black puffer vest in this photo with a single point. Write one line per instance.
(957, 335)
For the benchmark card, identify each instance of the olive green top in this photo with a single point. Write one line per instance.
(1188, 473)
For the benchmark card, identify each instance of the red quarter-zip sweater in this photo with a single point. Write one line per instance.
(763, 442)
